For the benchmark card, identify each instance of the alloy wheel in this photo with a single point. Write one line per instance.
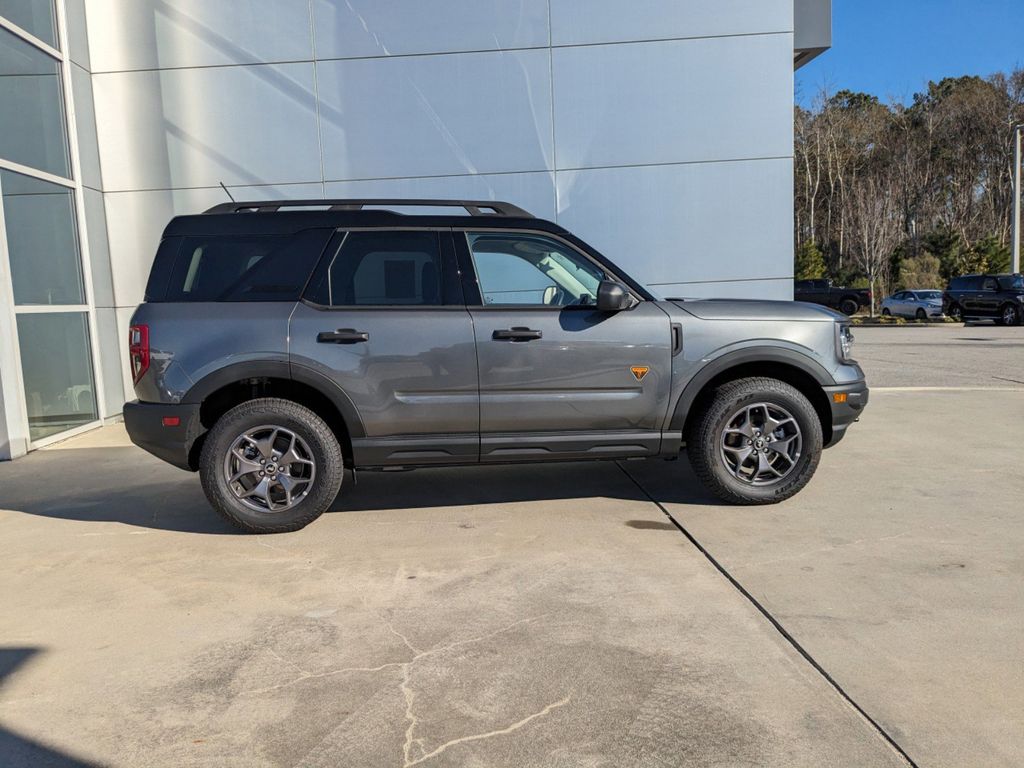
(761, 443)
(269, 468)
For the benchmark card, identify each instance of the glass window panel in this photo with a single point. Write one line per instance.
(32, 128)
(56, 363)
(381, 269)
(42, 241)
(34, 16)
(529, 269)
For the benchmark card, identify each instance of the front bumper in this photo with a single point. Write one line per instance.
(846, 410)
(173, 444)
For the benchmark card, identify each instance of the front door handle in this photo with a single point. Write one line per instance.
(342, 336)
(517, 334)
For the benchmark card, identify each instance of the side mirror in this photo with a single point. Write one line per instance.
(612, 297)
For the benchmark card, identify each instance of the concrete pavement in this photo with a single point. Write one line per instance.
(533, 616)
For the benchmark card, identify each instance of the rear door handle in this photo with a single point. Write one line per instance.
(517, 334)
(342, 336)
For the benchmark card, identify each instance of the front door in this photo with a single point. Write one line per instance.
(558, 379)
(383, 318)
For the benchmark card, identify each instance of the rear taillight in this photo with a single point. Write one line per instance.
(138, 351)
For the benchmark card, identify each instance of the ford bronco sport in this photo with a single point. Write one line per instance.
(282, 342)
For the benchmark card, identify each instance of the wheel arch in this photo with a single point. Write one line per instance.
(799, 371)
(234, 384)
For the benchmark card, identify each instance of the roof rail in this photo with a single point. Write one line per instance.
(472, 207)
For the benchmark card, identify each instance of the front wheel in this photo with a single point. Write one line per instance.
(758, 441)
(886, 312)
(921, 314)
(270, 466)
(956, 313)
(1009, 315)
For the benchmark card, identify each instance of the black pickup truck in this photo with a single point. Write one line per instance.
(846, 300)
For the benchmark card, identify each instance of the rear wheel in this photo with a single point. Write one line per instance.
(271, 465)
(848, 306)
(758, 441)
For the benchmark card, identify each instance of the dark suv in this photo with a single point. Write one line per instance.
(281, 342)
(985, 297)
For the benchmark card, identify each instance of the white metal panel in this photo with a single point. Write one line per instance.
(153, 34)
(686, 223)
(435, 115)
(678, 101)
(351, 28)
(197, 127)
(604, 21)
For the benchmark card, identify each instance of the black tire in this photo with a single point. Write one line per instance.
(1008, 315)
(849, 307)
(302, 422)
(921, 315)
(705, 436)
(956, 312)
(886, 312)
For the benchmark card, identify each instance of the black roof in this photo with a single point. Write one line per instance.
(286, 216)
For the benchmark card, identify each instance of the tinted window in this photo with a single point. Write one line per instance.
(803, 285)
(532, 269)
(990, 284)
(381, 269)
(1012, 283)
(240, 268)
(926, 295)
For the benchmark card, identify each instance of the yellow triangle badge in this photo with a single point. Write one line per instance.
(639, 371)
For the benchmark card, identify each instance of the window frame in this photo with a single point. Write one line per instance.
(452, 297)
(18, 421)
(471, 281)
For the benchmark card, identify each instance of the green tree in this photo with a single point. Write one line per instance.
(921, 272)
(809, 263)
(996, 256)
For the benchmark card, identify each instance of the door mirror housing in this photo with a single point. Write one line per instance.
(613, 297)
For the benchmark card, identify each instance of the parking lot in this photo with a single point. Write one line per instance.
(559, 615)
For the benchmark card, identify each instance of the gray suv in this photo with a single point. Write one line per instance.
(282, 342)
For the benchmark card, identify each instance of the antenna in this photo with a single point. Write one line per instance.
(226, 192)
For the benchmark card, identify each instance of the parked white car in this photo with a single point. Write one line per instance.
(917, 304)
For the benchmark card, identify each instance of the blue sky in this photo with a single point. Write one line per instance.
(892, 48)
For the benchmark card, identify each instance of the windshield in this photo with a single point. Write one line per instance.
(929, 294)
(1012, 282)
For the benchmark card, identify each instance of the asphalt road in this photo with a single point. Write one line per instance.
(561, 615)
(946, 355)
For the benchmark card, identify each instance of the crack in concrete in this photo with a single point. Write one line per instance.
(489, 734)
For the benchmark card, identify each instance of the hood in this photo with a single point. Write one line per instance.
(755, 309)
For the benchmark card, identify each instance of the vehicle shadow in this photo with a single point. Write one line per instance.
(125, 485)
(20, 751)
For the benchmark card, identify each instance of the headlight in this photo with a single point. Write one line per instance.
(844, 343)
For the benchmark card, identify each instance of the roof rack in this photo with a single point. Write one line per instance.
(472, 207)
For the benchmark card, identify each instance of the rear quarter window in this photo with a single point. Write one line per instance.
(235, 267)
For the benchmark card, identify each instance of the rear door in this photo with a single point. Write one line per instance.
(988, 298)
(558, 378)
(384, 319)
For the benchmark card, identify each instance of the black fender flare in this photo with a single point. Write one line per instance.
(759, 354)
(279, 369)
